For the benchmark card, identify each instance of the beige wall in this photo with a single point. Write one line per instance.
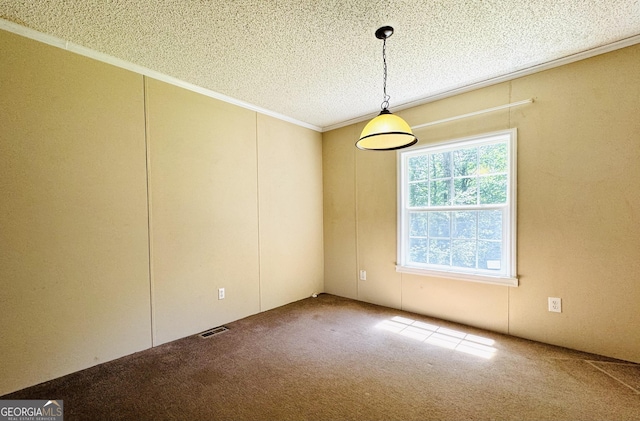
(578, 210)
(338, 174)
(236, 203)
(74, 262)
(290, 192)
(579, 201)
(95, 265)
(204, 211)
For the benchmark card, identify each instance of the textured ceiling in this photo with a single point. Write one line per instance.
(319, 62)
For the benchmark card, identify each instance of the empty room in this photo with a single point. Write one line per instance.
(320, 210)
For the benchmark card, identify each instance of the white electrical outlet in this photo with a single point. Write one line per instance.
(363, 275)
(555, 304)
(220, 293)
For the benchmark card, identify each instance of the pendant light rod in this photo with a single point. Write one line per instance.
(384, 33)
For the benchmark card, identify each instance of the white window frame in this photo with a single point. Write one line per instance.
(509, 275)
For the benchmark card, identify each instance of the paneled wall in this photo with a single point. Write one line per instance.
(578, 209)
(204, 211)
(127, 202)
(74, 261)
(290, 193)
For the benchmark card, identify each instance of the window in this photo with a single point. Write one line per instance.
(457, 203)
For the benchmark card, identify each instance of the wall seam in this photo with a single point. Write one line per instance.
(355, 210)
(258, 215)
(149, 230)
(516, 248)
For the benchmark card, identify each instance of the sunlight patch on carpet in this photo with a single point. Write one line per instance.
(440, 336)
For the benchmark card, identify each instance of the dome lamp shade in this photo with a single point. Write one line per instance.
(386, 132)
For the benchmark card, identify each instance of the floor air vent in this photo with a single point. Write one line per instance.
(215, 331)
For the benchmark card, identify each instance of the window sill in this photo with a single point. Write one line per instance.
(483, 279)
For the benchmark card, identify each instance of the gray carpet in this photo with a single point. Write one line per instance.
(331, 358)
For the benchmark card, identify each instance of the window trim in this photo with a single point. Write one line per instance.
(510, 279)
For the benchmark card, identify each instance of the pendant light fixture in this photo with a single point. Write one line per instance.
(387, 131)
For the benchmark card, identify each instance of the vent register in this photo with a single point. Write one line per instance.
(212, 332)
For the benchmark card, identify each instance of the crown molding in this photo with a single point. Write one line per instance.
(123, 64)
(627, 42)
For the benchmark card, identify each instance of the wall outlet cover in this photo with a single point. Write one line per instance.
(555, 304)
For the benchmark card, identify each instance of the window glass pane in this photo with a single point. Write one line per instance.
(440, 193)
(493, 189)
(463, 253)
(439, 224)
(464, 224)
(418, 167)
(439, 252)
(465, 161)
(440, 165)
(489, 255)
(490, 225)
(418, 250)
(419, 194)
(418, 224)
(456, 208)
(493, 158)
(465, 191)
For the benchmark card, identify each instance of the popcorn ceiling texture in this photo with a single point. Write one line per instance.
(319, 61)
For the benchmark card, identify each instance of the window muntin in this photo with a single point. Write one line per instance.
(457, 208)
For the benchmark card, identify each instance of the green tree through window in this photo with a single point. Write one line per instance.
(457, 204)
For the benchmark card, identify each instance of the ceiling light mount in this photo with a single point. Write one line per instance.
(386, 132)
(384, 32)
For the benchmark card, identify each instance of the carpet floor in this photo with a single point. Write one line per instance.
(331, 358)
